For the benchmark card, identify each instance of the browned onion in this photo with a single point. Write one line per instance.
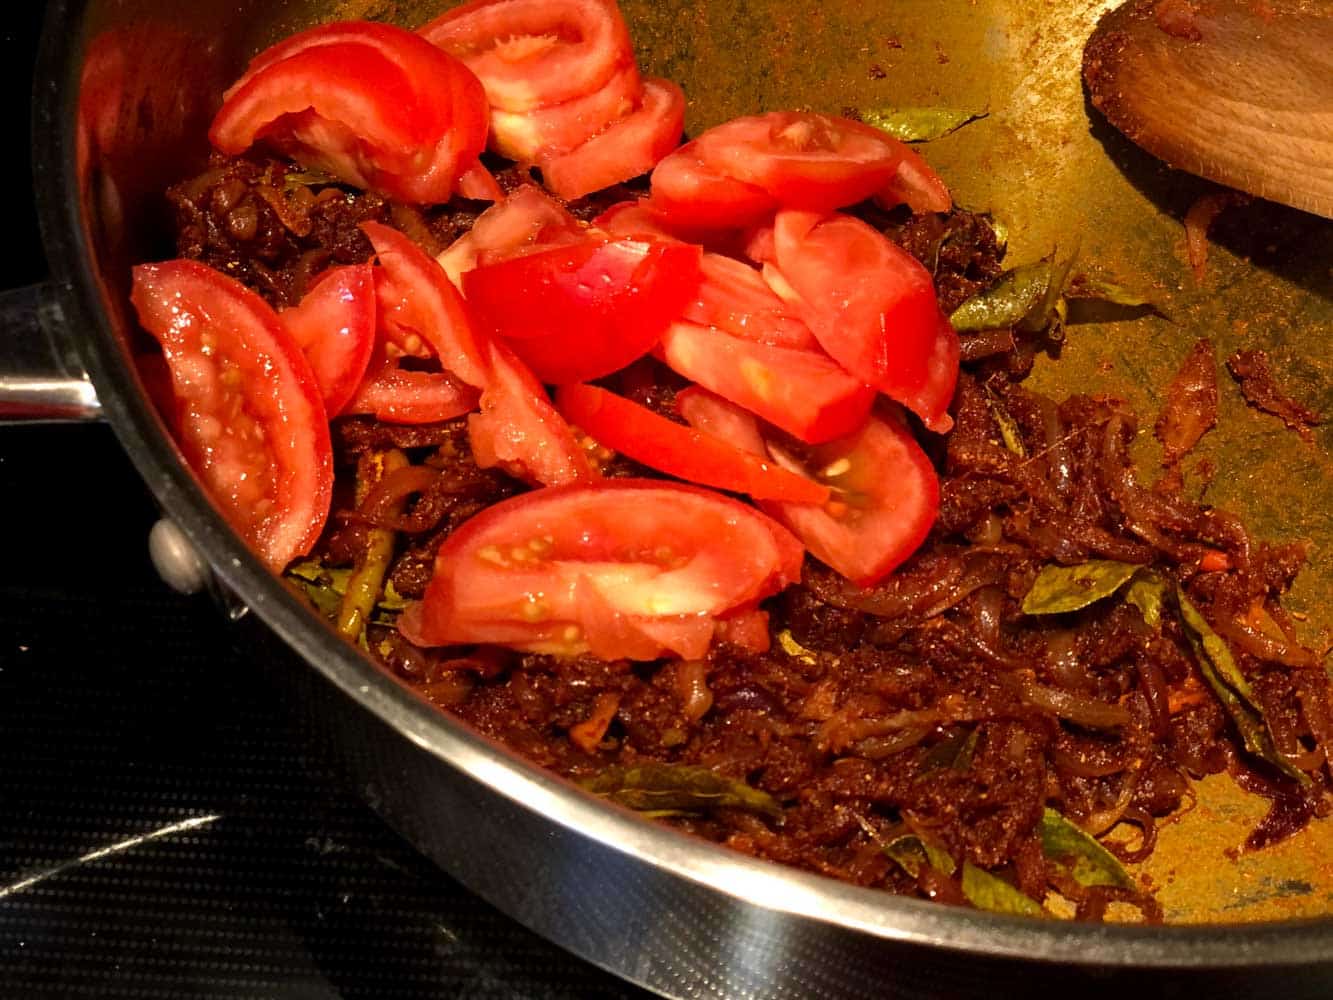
(1072, 707)
(392, 491)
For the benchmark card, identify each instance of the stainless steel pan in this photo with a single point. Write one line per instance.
(682, 917)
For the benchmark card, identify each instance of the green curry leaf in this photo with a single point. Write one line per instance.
(1147, 591)
(1010, 433)
(679, 788)
(990, 892)
(1006, 303)
(1060, 589)
(919, 124)
(1090, 863)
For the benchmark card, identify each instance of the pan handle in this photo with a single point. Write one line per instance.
(40, 379)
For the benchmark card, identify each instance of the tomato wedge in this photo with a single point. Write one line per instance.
(535, 53)
(917, 185)
(528, 136)
(478, 184)
(377, 106)
(528, 217)
(334, 324)
(804, 392)
(626, 569)
(668, 447)
(872, 307)
(520, 431)
(692, 192)
(624, 149)
(406, 396)
(802, 159)
(583, 310)
(734, 297)
(250, 419)
(418, 306)
(885, 491)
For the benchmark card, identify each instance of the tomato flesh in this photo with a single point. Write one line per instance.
(528, 136)
(335, 326)
(249, 414)
(406, 396)
(915, 184)
(626, 569)
(583, 310)
(535, 53)
(692, 192)
(804, 392)
(885, 493)
(527, 218)
(872, 307)
(624, 149)
(734, 297)
(666, 446)
(363, 102)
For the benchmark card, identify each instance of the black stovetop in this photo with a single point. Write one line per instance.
(163, 829)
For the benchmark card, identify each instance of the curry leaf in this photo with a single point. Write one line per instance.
(1010, 433)
(990, 892)
(1091, 863)
(1147, 592)
(679, 788)
(1084, 286)
(912, 853)
(325, 587)
(1059, 589)
(794, 649)
(1007, 303)
(919, 124)
(1232, 688)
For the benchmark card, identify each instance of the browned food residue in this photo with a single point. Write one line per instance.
(1177, 19)
(1257, 384)
(1191, 403)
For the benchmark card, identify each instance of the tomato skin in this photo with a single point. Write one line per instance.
(668, 447)
(624, 149)
(364, 102)
(334, 324)
(529, 136)
(520, 431)
(583, 310)
(885, 491)
(522, 49)
(872, 306)
(478, 184)
(733, 297)
(626, 569)
(802, 159)
(528, 217)
(689, 191)
(403, 396)
(250, 418)
(917, 185)
(418, 305)
(804, 392)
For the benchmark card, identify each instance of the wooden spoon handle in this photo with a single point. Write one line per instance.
(1238, 91)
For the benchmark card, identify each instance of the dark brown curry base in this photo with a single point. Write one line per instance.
(931, 704)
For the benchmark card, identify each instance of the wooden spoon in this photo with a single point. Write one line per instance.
(1238, 91)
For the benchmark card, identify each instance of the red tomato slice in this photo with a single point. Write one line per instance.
(636, 219)
(885, 491)
(624, 149)
(802, 159)
(690, 192)
(520, 431)
(917, 185)
(335, 326)
(535, 53)
(419, 306)
(625, 569)
(249, 416)
(584, 310)
(404, 396)
(872, 306)
(668, 447)
(527, 218)
(477, 184)
(362, 101)
(734, 297)
(804, 392)
(527, 136)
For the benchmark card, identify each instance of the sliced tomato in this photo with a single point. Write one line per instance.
(804, 160)
(734, 297)
(625, 569)
(527, 136)
(334, 324)
(692, 192)
(401, 395)
(374, 105)
(527, 217)
(885, 492)
(250, 418)
(624, 149)
(802, 391)
(584, 310)
(535, 53)
(419, 306)
(679, 451)
(519, 430)
(478, 184)
(637, 219)
(872, 307)
(917, 185)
